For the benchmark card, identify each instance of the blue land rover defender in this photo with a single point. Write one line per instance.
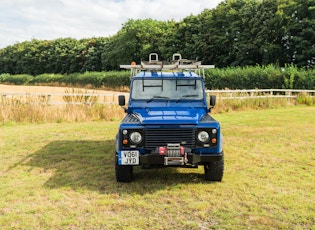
(167, 122)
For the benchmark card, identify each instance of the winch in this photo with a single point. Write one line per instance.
(174, 154)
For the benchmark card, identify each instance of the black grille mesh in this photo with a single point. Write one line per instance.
(161, 137)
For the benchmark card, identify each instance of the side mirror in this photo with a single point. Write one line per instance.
(213, 99)
(121, 100)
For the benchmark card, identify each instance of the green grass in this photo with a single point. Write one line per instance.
(61, 176)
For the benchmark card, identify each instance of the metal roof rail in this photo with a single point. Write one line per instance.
(177, 63)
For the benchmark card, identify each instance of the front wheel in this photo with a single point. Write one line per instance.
(124, 173)
(214, 170)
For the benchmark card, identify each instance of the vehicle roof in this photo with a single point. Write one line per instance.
(166, 74)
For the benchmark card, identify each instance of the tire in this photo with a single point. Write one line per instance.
(124, 173)
(214, 170)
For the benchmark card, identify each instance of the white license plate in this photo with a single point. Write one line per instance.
(128, 157)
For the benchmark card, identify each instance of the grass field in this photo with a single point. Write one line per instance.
(61, 176)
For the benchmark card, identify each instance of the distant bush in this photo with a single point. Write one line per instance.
(19, 79)
(48, 78)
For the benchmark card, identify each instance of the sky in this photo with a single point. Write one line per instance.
(24, 20)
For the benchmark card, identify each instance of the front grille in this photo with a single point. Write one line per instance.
(157, 137)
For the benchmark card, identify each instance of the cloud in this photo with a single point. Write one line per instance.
(22, 20)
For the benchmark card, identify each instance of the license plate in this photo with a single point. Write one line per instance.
(128, 157)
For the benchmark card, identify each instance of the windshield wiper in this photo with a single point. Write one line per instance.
(157, 97)
(187, 96)
(190, 95)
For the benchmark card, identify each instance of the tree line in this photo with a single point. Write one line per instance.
(235, 33)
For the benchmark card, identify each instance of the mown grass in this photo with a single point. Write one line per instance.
(61, 176)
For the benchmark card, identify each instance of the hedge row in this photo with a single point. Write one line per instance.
(232, 78)
(95, 79)
(266, 77)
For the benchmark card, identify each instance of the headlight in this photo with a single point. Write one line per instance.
(203, 136)
(136, 137)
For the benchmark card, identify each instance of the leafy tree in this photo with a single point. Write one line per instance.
(240, 33)
(65, 55)
(259, 41)
(91, 56)
(221, 27)
(299, 24)
(6, 60)
(135, 41)
(270, 32)
(187, 37)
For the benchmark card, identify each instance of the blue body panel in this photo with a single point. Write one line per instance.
(169, 115)
(166, 74)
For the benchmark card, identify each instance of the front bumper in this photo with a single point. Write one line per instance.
(192, 159)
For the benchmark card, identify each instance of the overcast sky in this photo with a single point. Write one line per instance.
(22, 20)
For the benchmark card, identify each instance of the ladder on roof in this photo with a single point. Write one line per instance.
(177, 63)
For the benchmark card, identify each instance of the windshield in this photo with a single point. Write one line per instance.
(168, 89)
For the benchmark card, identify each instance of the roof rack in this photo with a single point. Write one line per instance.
(177, 64)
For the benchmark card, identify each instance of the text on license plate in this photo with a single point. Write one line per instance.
(128, 157)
